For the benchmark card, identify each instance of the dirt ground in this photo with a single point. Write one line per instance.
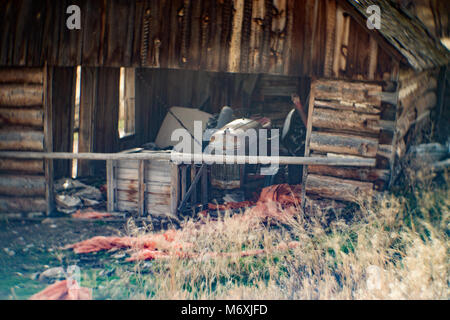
(28, 248)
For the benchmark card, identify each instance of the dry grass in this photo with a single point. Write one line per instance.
(393, 248)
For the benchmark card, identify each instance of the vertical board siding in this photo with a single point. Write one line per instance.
(246, 36)
(63, 99)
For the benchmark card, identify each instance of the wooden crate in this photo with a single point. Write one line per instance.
(153, 187)
(143, 187)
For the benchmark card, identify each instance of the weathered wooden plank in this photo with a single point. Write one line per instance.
(22, 204)
(246, 35)
(348, 91)
(93, 31)
(255, 53)
(344, 143)
(141, 188)
(21, 95)
(22, 75)
(330, 38)
(24, 185)
(137, 33)
(373, 54)
(70, 41)
(21, 140)
(364, 162)
(23, 166)
(151, 165)
(236, 36)
(88, 98)
(150, 199)
(307, 142)
(184, 186)
(35, 33)
(21, 117)
(118, 36)
(160, 211)
(111, 201)
(385, 151)
(318, 36)
(404, 122)
(106, 135)
(412, 99)
(174, 189)
(48, 136)
(63, 109)
(194, 185)
(156, 199)
(152, 209)
(348, 105)
(195, 35)
(127, 206)
(129, 196)
(345, 120)
(7, 12)
(150, 187)
(339, 189)
(132, 174)
(417, 84)
(279, 37)
(354, 173)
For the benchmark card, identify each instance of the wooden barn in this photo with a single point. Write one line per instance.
(106, 87)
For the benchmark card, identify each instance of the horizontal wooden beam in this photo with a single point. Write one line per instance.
(29, 166)
(22, 204)
(21, 117)
(23, 185)
(21, 95)
(182, 157)
(21, 75)
(21, 139)
(339, 189)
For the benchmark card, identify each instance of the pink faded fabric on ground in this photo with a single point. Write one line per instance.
(90, 215)
(278, 202)
(63, 290)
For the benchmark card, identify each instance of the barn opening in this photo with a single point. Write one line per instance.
(108, 88)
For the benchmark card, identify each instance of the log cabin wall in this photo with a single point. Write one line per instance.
(417, 102)
(350, 119)
(299, 38)
(22, 182)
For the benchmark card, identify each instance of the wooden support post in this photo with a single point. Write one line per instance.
(194, 186)
(394, 77)
(204, 189)
(174, 189)
(307, 142)
(141, 186)
(48, 137)
(88, 100)
(110, 180)
(183, 180)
